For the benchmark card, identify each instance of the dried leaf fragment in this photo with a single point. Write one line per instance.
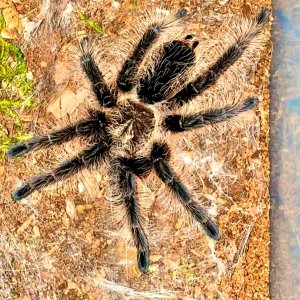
(71, 209)
(13, 24)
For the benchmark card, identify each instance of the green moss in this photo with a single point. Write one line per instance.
(15, 90)
(92, 24)
(31, 241)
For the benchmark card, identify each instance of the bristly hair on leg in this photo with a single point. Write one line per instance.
(263, 16)
(226, 60)
(127, 76)
(126, 186)
(95, 124)
(105, 96)
(179, 123)
(176, 58)
(159, 156)
(85, 159)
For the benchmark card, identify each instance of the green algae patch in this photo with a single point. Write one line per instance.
(90, 23)
(16, 91)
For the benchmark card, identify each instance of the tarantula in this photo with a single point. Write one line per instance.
(137, 111)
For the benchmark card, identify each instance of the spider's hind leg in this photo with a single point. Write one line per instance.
(85, 159)
(126, 185)
(160, 155)
(93, 125)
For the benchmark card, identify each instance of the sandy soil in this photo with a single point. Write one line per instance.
(63, 243)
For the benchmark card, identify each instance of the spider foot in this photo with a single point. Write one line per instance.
(249, 104)
(263, 16)
(209, 227)
(181, 13)
(143, 261)
(21, 192)
(17, 150)
(34, 183)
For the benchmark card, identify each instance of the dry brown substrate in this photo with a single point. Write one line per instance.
(63, 243)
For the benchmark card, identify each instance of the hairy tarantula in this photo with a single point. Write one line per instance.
(140, 109)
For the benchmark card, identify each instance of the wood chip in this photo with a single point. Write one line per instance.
(71, 209)
(26, 224)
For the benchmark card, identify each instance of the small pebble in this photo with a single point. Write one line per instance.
(36, 231)
(29, 75)
(116, 4)
(71, 209)
(80, 187)
(43, 64)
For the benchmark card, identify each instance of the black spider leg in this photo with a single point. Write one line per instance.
(89, 127)
(127, 76)
(231, 55)
(141, 166)
(177, 123)
(85, 159)
(105, 96)
(160, 155)
(176, 58)
(126, 180)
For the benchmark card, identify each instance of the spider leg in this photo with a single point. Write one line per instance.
(85, 159)
(91, 126)
(127, 77)
(178, 123)
(159, 156)
(233, 53)
(105, 96)
(141, 166)
(127, 188)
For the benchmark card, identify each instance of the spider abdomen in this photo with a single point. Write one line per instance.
(175, 59)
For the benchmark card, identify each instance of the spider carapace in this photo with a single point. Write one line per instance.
(128, 133)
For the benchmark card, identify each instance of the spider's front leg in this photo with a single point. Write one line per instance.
(246, 38)
(127, 76)
(105, 96)
(159, 157)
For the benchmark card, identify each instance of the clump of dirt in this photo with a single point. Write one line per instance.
(63, 242)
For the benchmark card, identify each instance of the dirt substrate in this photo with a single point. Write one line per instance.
(64, 243)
